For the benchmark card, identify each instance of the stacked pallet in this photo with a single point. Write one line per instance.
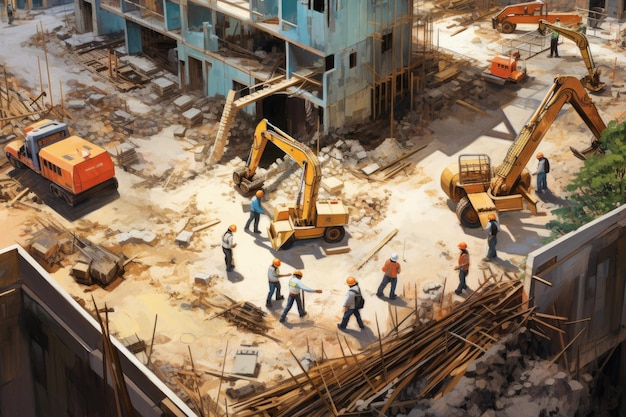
(163, 87)
(192, 117)
(370, 382)
(126, 155)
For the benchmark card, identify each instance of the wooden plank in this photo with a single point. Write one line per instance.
(375, 249)
(337, 250)
(205, 225)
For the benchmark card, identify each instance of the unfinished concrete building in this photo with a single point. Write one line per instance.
(316, 64)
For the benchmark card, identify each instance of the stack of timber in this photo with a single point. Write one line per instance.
(435, 355)
(125, 155)
(247, 316)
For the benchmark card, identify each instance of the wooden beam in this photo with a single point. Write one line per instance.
(375, 249)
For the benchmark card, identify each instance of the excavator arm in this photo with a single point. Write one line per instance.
(312, 173)
(592, 80)
(564, 90)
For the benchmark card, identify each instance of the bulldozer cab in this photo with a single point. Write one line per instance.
(474, 170)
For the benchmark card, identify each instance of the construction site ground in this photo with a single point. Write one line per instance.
(169, 190)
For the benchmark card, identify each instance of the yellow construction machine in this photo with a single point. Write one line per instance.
(308, 217)
(592, 80)
(480, 190)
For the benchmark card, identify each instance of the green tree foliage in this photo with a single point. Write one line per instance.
(599, 186)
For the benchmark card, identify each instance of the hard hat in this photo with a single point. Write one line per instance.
(394, 257)
(276, 262)
(232, 228)
(491, 216)
(462, 245)
(297, 273)
(260, 193)
(351, 281)
(539, 155)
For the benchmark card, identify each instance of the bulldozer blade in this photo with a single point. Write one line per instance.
(281, 234)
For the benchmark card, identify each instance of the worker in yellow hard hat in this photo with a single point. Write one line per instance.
(273, 275)
(492, 229)
(255, 212)
(352, 305)
(463, 268)
(227, 246)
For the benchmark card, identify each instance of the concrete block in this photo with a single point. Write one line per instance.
(371, 168)
(184, 238)
(361, 155)
(246, 362)
(202, 278)
(332, 184)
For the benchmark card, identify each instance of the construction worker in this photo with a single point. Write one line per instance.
(554, 40)
(492, 229)
(10, 12)
(350, 305)
(462, 267)
(391, 270)
(255, 211)
(273, 275)
(543, 167)
(295, 288)
(227, 247)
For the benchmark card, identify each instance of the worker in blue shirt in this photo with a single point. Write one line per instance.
(255, 212)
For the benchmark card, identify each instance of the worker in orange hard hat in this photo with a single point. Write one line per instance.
(492, 229)
(228, 245)
(273, 275)
(352, 304)
(543, 167)
(296, 287)
(462, 267)
(255, 211)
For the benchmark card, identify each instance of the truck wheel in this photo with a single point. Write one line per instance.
(334, 234)
(466, 213)
(508, 27)
(14, 162)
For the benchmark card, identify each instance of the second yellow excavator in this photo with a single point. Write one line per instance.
(309, 217)
(591, 81)
(480, 190)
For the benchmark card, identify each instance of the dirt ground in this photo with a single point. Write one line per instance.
(169, 191)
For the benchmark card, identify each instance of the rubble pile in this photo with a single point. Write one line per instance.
(509, 379)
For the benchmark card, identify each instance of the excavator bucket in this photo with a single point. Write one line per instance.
(281, 233)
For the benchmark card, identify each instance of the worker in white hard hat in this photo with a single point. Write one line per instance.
(352, 304)
(391, 270)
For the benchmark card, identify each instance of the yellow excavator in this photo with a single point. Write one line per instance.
(480, 190)
(592, 80)
(308, 217)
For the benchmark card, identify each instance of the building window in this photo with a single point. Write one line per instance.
(318, 5)
(330, 62)
(387, 42)
(353, 60)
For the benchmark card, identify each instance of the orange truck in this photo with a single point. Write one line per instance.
(529, 13)
(76, 168)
